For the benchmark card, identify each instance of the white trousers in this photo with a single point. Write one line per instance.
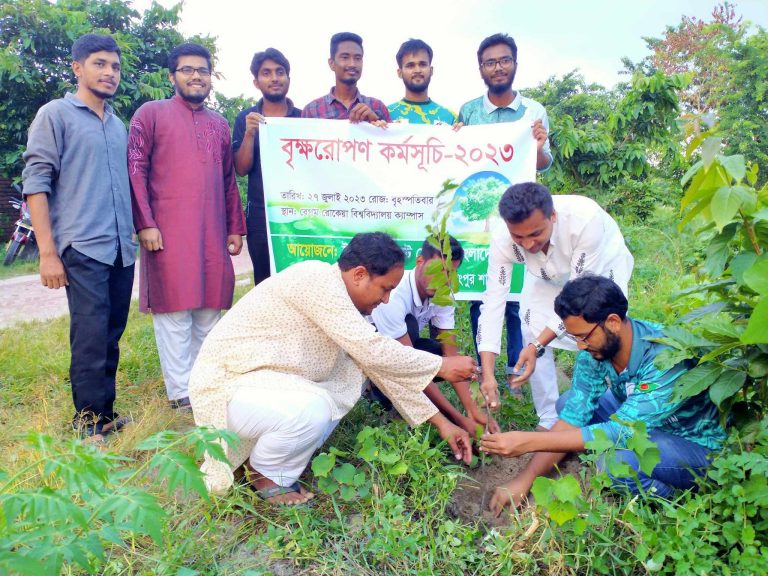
(179, 336)
(288, 426)
(543, 383)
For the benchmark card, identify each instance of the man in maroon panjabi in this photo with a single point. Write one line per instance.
(188, 215)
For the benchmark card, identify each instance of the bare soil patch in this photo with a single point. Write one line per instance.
(474, 491)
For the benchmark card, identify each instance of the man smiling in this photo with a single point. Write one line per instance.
(344, 101)
(557, 238)
(187, 211)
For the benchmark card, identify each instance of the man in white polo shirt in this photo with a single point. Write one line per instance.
(409, 310)
(557, 238)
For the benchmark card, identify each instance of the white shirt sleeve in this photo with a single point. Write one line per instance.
(389, 318)
(500, 263)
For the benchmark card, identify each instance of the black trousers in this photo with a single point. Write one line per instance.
(99, 297)
(258, 243)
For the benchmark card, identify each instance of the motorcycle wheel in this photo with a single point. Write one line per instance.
(11, 253)
(30, 251)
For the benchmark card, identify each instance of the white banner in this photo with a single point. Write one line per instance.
(327, 180)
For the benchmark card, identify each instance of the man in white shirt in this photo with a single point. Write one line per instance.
(557, 239)
(409, 310)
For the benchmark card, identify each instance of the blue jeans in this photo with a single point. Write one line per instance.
(512, 321)
(682, 461)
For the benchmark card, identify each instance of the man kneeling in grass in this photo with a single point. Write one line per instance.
(615, 375)
(409, 310)
(289, 361)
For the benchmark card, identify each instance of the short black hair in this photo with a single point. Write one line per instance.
(592, 297)
(340, 37)
(411, 47)
(375, 251)
(269, 54)
(521, 200)
(493, 41)
(187, 49)
(90, 43)
(428, 251)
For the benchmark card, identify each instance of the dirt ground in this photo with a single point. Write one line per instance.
(470, 500)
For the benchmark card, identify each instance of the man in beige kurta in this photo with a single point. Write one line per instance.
(300, 333)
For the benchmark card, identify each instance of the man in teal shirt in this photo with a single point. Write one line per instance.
(615, 376)
(414, 68)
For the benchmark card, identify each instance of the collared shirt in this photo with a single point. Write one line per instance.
(428, 112)
(81, 162)
(389, 318)
(584, 239)
(482, 111)
(644, 394)
(300, 330)
(257, 219)
(331, 108)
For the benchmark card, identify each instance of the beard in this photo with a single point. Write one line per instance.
(610, 347)
(500, 88)
(417, 88)
(274, 98)
(349, 81)
(193, 98)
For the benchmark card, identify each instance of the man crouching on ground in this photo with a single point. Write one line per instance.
(615, 374)
(289, 360)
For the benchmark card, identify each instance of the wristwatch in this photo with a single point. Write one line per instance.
(540, 348)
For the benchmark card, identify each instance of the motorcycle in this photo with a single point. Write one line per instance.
(22, 244)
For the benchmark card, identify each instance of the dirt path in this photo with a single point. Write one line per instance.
(23, 298)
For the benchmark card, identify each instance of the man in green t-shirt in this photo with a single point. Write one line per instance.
(414, 68)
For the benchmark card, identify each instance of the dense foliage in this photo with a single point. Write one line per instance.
(36, 37)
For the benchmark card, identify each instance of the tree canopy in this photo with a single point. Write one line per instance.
(35, 41)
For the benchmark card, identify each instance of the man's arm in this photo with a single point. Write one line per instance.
(550, 447)
(245, 133)
(140, 147)
(52, 274)
(234, 206)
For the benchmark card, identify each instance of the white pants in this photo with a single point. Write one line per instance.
(288, 426)
(179, 336)
(543, 383)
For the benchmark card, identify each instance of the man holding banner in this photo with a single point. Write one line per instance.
(497, 59)
(557, 239)
(344, 102)
(289, 361)
(272, 76)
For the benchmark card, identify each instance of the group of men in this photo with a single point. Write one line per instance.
(278, 369)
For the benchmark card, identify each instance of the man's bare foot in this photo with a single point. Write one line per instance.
(273, 493)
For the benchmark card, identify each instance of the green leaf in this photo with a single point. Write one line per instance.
(179, 470)
(398, 469)
(542, 491)
(735, 166)
(728, 384)
(756, 277)
(567, 489)
(368, 451)
(348, 492)
(696, 380)
(134, 510)
(740, 264)
(725, 203)
(757, 328)
(561, 512)
(389, 458)
(345, 474)
(709, 149)
(600, 442)
(323, 464)
(644, 448)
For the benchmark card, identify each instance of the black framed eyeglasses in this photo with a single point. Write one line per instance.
(504, 62)
(589, 334)
(190, 71)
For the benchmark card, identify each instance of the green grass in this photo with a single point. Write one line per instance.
(401, 526)
(18, 268)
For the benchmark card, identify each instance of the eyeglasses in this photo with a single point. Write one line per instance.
(504, 62)
(585, 338)
(190, 71)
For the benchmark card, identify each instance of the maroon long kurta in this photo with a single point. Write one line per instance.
(183, 183)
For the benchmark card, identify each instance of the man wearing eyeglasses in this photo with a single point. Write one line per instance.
(556, 238)
(188, 215)
(497, 60)
(616, 384)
